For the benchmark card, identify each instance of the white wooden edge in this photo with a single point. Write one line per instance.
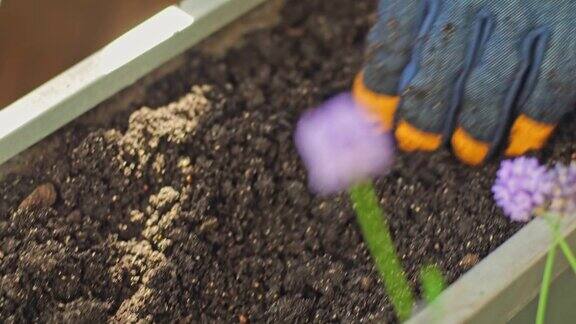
(506, 281)
(114, 67)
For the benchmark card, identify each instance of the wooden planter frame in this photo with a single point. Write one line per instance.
(501, 288)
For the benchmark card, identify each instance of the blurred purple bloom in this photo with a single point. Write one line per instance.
(340, 146)
(521, 186)
(563, 196)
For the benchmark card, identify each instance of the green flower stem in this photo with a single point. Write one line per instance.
(568, 254)
(547, 276)
(374, 227)
(545, 288)
(562, 243)
(432, 282)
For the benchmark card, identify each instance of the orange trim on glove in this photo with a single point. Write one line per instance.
(468, 149)
(412, 139)
(527, 135)
(382, 107)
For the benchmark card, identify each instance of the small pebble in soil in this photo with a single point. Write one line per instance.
(366, 283)
(242, 319)
(469, 260)
(43, 196)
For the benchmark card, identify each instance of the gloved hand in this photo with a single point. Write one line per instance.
(483, 75)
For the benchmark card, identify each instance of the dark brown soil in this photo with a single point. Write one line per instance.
(198, 210)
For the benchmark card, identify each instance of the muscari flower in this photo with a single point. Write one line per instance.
(563, 193)
(340, 146)
(521, 186)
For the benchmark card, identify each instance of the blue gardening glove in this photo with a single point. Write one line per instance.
(483, 75)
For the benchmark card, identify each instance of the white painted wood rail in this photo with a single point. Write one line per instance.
(494, 291)
(111, 69)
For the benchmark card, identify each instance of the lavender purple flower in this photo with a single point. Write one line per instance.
(563, 194)
(521, 186)
(524, 187)
(340, 146)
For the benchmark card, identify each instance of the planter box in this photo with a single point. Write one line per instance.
(502, 288)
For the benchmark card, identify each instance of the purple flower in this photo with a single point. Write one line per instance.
(340, 146)
(521, 186)
(563, 195)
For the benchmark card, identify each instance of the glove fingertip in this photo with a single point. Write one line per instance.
(527, 135)
(468, 149)
(412, 139)
(381, 107)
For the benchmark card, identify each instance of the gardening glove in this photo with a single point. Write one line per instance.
(481, 75)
